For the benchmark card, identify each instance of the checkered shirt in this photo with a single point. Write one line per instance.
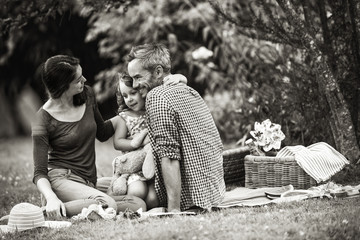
(181, 128)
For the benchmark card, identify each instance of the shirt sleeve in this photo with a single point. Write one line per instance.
(105, 129)
(40, 148)
(163, 128)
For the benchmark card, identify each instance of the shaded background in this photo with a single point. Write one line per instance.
(250, 60)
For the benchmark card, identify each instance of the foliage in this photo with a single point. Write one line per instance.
(172, 22)
(259, 68)
(15, 15)
(296, 100)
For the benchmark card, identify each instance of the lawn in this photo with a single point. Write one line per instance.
(307, 219)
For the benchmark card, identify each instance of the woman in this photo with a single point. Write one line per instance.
(64, 143)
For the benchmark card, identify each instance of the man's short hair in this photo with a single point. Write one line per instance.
(152, 55)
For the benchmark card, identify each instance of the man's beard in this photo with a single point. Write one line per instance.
(151, 83)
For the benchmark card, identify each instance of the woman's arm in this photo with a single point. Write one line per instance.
(54, 206)
(105, 129)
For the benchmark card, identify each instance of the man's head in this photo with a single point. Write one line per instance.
(148, 65)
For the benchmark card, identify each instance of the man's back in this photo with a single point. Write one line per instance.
(181, 127)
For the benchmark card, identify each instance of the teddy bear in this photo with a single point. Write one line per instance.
(124, 165)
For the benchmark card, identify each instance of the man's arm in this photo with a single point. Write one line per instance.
(172, 180)
(165, 143)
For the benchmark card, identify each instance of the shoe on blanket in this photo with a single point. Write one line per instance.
(352, 192)
(196, 210)
(277, 191)
(338, 193)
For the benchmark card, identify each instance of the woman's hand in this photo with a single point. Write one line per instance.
(55, 208)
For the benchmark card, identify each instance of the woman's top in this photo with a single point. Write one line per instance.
(133, 124)
(69, 145)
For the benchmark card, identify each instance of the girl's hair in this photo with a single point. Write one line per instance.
(128, 81)
(57, 74)
(151, 56)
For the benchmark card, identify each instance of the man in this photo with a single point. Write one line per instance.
(185, 141)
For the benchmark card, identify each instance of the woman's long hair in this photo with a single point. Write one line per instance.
(57, 74)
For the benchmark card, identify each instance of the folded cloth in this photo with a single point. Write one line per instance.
(242, 196)
(95, 212)
(319, 160)
(246, 197)
(161, 212)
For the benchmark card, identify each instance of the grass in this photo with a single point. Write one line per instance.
(308, 219)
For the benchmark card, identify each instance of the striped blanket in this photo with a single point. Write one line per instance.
(319, 160)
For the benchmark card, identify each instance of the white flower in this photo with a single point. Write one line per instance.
(268, 135)
(201, 53)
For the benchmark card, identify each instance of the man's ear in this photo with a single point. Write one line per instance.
(159, 71)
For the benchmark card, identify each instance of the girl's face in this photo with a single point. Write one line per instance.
(77, 85)
(132, 98)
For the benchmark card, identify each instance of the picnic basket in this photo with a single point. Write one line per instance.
(266, 171)
(233, 162)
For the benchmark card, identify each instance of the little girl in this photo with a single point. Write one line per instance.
(131, 130)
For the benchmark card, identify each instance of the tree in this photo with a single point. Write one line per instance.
(305, 25)
(260, 63)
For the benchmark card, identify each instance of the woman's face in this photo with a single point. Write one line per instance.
(132, 98)
(77, 85)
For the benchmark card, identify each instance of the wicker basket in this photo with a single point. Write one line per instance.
(233, 161)
(264, 171)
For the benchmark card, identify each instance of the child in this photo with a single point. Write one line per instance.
(130, 128)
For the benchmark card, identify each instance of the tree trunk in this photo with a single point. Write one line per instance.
(354, 10)
(343, 128)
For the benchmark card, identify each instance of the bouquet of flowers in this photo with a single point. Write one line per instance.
(267, 135)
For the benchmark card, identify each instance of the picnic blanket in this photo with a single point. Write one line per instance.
(246, 197)
(319, 160)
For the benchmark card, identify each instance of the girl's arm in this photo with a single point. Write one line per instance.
(174, 79)
(120, 137)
